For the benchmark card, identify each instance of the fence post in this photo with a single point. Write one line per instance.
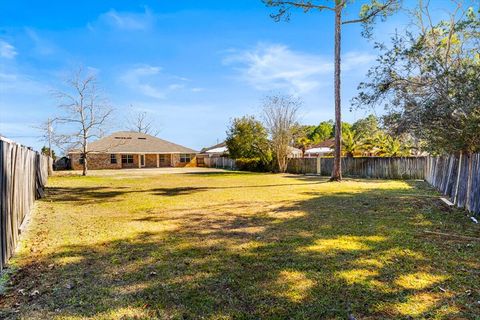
(319, 171)
(469, 180)
(458, 179)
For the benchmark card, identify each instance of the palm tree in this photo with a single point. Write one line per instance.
(389, 146)
(304, 143)
(352, 142)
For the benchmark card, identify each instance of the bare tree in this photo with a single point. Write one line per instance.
(47, 135)
(280, 115)
(85, 113)
(141, 122)
(369, 11)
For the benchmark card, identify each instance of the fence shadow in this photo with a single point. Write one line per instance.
(323, 257)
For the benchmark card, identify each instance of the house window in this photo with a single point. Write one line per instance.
(113, 158)
(81, 159)
(127, 158)
(162, 158)
(185, 157)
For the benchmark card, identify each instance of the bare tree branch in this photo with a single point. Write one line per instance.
(280, 115)
(142, 122)
(85, 111)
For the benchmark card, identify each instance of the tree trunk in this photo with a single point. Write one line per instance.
(85, 166)
(50, 153)
(337, 169)
(282, 167)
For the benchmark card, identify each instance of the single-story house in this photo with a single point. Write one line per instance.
(216, 151)
(294, 152)
(129, 149)
(320, 149)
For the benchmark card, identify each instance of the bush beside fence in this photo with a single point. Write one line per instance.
(23, 175)
(458, 177)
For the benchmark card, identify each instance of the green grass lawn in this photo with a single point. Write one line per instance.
(243, 246)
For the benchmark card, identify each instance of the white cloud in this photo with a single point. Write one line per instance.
(268, 67)
(176, 86)
(149, 81)
(357, 61)
(11, 82)
(127, 20)
(275, 66)
(41, 45)
(7, 50)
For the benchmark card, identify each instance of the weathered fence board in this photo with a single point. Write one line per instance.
(458, 177)
(23, 175)
(365, 167)
(221, 163)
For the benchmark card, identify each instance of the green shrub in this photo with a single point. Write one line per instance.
(252, 164)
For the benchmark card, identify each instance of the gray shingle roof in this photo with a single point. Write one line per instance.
(218, 145)
(135, 142)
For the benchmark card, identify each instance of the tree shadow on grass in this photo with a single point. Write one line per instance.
(177, 191)
(84, 195)
(321, 258)
(223, 173)
(88, 195)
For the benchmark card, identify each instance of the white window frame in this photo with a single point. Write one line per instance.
(128, 157)
(184, 157)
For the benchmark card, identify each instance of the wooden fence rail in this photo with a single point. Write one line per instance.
(23, 175)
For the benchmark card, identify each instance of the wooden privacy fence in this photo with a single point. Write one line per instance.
(365, 167)
(23, 175)
(458, 177)
(221, 163)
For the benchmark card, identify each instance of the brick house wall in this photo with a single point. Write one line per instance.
(98, 161)
(129, 165)
(177, 163)
(95, 161)
(165, 160)
(150, 161)
(192, 163)
(176, 160)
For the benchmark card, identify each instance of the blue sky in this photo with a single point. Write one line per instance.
(192, 65)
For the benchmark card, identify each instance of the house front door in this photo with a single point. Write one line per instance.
(142, 160)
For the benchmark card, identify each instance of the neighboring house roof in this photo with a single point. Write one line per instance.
(318, 150)
(322, 147)
(218, 148)
(329, 143)
(134, 142)
(294, 150)
(222, 148)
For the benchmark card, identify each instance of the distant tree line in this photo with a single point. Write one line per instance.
(264, 143)
(365, 137)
